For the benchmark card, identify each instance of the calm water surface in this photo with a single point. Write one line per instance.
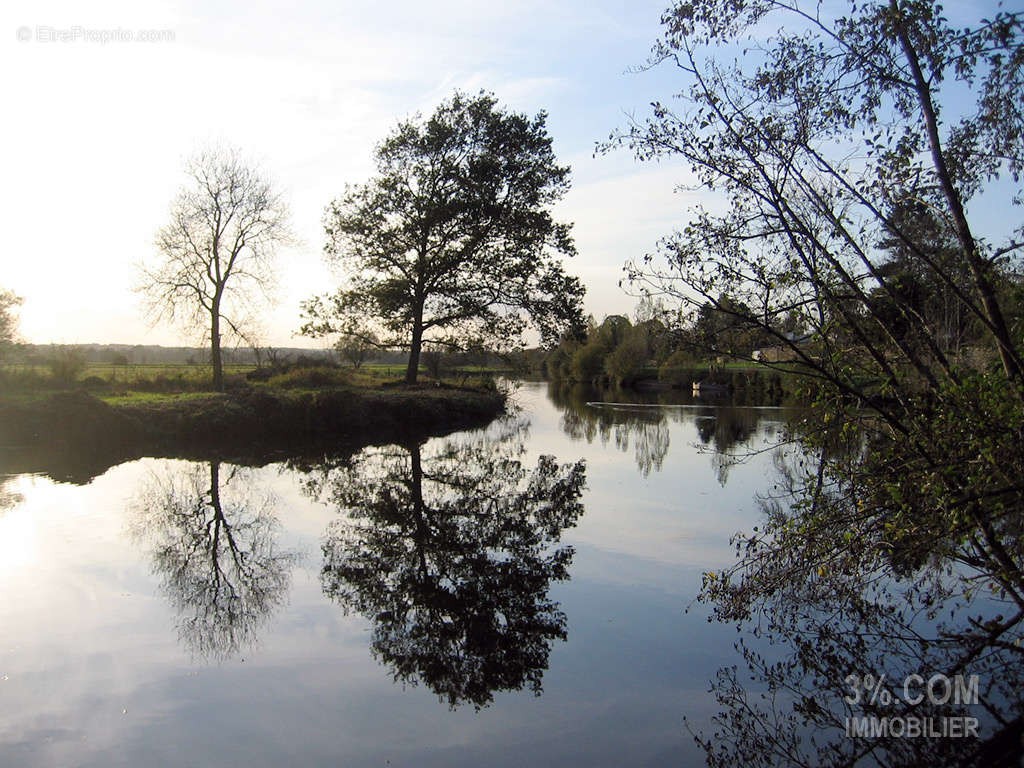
(459, 602)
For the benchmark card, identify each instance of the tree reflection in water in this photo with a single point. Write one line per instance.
(631, 420)
(449, 548)
(646, 429)
(213, 541)
(826, 597)
(724, 429)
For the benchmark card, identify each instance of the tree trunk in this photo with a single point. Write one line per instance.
(218, 368)
(975, 262)
(418, 507)
(413, 369)
(215, 486)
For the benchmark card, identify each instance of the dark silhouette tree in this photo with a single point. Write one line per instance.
(453, 244)
(450, 551)
(802, 223)
(824, 142)
(214, 546)
(215, 257)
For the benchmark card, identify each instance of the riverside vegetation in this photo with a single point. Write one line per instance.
(172, 411)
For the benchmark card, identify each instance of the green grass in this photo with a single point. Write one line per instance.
(151, 383)
(122, 373)
(151, 371)
(151, 398)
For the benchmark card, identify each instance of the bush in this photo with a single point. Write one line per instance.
(66, 365)
(95, 382)
(433, 360)
(588, 362)
(677, 369)
(298, 378)
(626, 360)
(558, 363)
(182, 382)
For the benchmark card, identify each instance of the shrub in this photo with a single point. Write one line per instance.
(66, 365)
(433, 360)
(588, 362)
(298, 378)
(677, 369)
(626, 360)
(95, 382)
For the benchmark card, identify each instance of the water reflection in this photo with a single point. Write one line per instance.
(213, 544)
(725, 430)
(8, 499)
(449, 548)
(645, 429)
(641, 422)
(825, 604)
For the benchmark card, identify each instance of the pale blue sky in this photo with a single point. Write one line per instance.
(96, 133)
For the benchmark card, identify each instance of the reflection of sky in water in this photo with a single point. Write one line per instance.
(92, 672)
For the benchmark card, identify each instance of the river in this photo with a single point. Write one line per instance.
(519, 595)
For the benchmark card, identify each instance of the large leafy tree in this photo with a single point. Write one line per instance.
(852, 148)
(452, 243)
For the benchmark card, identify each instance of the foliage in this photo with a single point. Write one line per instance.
(627, 359)
(66, 365)
(450, 552)
(558, 362)
(827, 144)
(356, 350)
(9, 303)
(616, 348)
(588, 361)
(452, 243)
(215, 257)
(433, 360)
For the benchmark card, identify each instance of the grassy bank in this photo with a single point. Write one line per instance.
(249, 421)
(105, 378)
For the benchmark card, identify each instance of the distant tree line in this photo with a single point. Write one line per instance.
(910, 306)
(151, 354)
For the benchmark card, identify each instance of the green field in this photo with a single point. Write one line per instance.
(130, 372)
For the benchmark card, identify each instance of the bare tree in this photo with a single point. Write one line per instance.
(216, 254)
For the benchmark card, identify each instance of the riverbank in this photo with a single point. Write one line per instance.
(250, 424)
(743, 384)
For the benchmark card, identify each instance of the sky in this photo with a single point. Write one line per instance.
(96, 132)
